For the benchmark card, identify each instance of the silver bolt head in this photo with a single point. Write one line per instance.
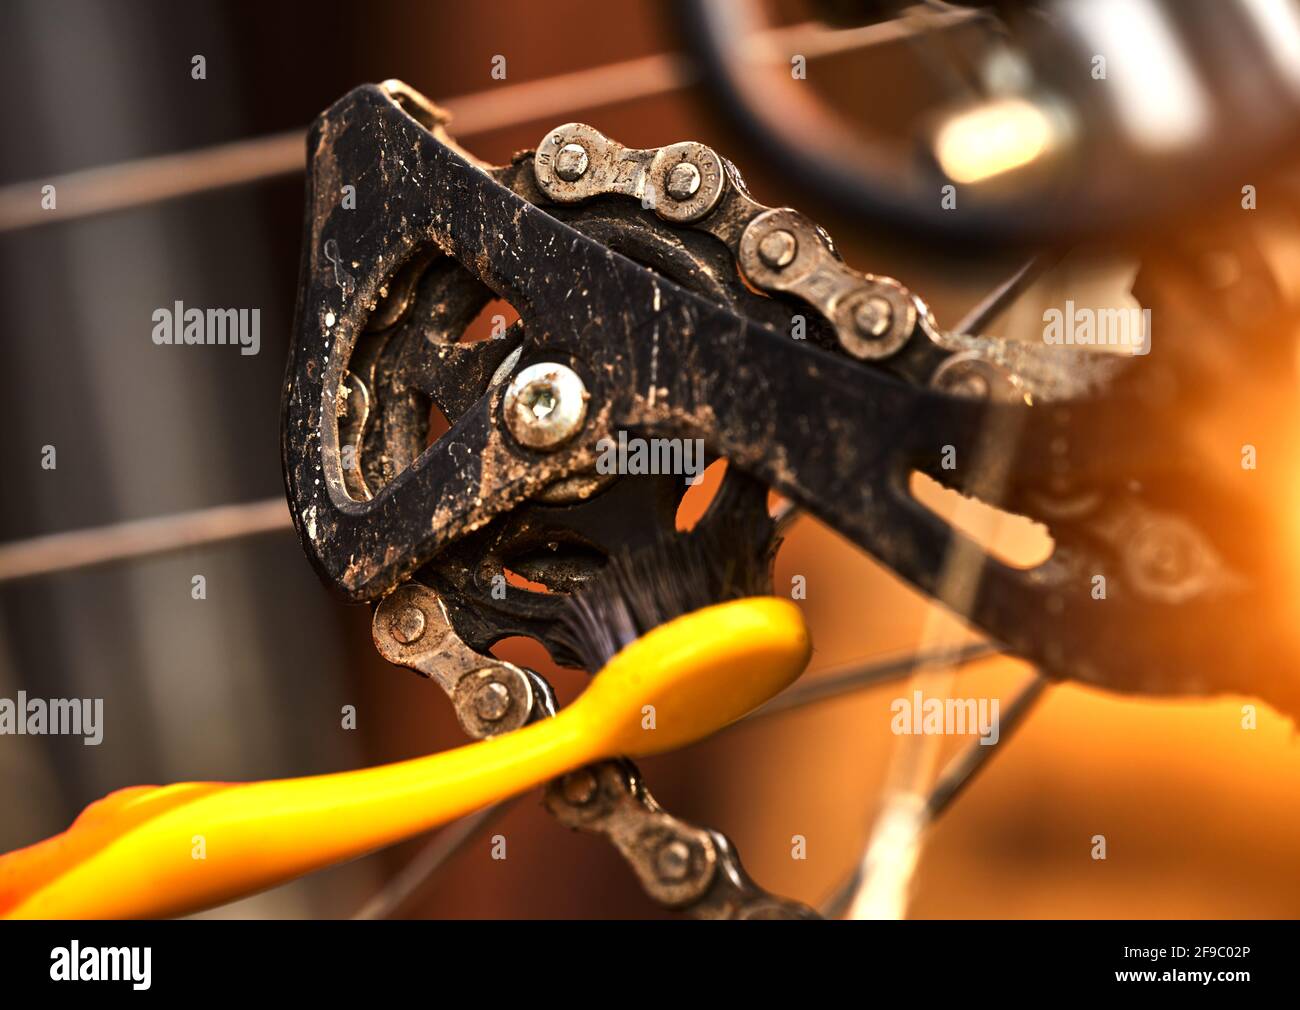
(571, 162)
(873, 317)
(579, 788)
(492, 701)
(974, 377)
(408, 625)
(673, 861)
(683, 181)
(545, 405)
(969, 382)
(777, 248)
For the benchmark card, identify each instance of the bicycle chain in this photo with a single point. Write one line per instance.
(679, 865)
(780, 251)
(774, 252)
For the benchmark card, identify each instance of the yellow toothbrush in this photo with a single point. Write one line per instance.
(134, 853)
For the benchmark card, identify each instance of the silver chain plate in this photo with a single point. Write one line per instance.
(782, 251)
(679, 865)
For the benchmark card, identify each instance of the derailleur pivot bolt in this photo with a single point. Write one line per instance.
(545, 405)
(571, 162)
(777, 248)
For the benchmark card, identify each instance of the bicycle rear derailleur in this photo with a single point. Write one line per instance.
(657, 297)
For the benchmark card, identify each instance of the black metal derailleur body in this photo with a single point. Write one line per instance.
(839, 437)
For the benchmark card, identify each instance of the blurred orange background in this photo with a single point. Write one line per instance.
(1201, 818)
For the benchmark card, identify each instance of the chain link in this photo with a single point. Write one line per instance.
(781, 251)
(778, 251)
(678, 864)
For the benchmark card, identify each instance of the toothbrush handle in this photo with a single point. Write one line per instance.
(150, 852)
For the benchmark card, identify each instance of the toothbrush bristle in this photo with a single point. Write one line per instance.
(639, 590)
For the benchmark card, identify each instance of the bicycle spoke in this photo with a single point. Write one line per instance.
(147, 181)
(863, 676)
(956, 776)
(962, 769)
(421, 870)
(992, 304)
(58, 552)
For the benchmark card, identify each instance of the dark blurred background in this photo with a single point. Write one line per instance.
(1200, 818)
